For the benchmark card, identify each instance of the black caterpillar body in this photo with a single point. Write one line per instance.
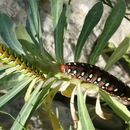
(104, 80)
(10, 57)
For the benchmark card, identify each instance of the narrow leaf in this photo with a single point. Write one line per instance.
(22, 33)
(49, 98)
(33, 26)
(7, 72)
(3, 68)
(33, 22)
(56, 9)
(30, 48)
(117, 107)
(45, 91)
(7, 33)
(13, 92)
(112, 23)
(11, 80)
(91, 20)
(127, 58)
(118, 53)
(48, 104)
(55, 121)
(31, 105)
(30, 89)
(85, 120)
(26, 110)
(58, 35)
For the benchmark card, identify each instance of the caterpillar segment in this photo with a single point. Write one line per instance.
(93, 74)
(14, 60)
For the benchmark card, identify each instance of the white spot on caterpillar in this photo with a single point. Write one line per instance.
(107, 84)
(82, 74)
(91, 66)
(90, 76)
(103, 87)
(69, 63)
(88, 79)
(116, 89)
(74, 71)
(95, 82)
(74, 63)
(69, 70)
(79, 77)
(99, 79)
(72, 74)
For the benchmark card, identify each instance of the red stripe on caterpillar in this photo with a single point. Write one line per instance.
(93, 74)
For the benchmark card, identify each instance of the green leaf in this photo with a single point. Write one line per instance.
(91, 20)
(112, 23)
(56, 9)
(7, 33)
(33, 55)
(58, 35)
(118, 53)
(9, 81)
(127, 58)
(117, 107)
(45, 91)
(7, 72)
(48, 108)
(55, 121)
(3, 68)
(14, 91)
(33, 26)
(49, 98)
(22, 34)
(85, 120)
(26, 110)
(30, 89)
(31, 105)
(33, 22)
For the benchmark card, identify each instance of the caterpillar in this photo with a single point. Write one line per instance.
(13, 59)
(93, 74)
